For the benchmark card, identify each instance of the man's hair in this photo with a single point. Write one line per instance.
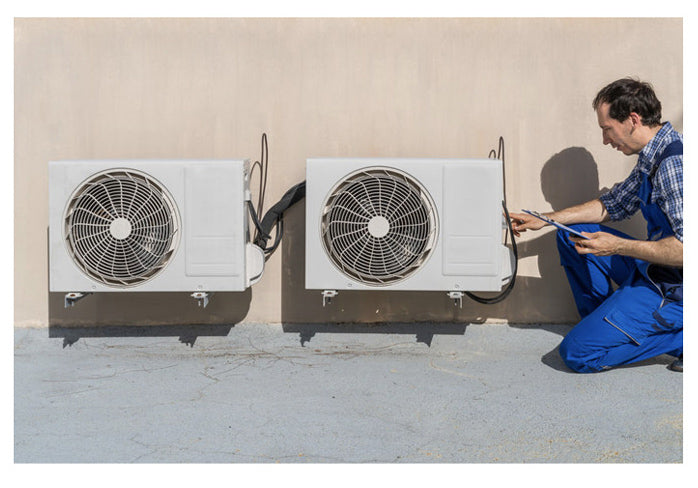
(630, 95)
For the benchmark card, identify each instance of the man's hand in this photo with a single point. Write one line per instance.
(598, 244)
(667, 251)
(521, 222)
(591, 212)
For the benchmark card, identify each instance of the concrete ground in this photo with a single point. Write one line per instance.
(340, 394)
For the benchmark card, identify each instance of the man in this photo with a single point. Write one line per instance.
(643, 318)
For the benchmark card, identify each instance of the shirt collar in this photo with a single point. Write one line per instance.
(654, 148)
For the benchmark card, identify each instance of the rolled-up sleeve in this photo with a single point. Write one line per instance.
(621, 201)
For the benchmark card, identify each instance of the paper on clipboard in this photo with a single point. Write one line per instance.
(556, 224)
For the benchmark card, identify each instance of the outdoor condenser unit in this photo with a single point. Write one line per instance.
(150, 225)
(405, 224)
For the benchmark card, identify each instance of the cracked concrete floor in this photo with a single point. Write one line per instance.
(376, 394)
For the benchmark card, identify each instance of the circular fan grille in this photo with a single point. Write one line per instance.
(379, 226)
(121, 227)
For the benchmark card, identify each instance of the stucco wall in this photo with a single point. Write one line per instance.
(187, 88)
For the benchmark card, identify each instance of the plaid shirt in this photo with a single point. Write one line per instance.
(667, 183)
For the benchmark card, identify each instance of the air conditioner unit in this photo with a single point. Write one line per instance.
(150, 225)
(405, 224)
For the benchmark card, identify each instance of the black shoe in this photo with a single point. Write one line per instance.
(677, 365)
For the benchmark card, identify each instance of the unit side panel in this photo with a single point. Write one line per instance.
(213, 230)
(472, 218)
(321, 176)
(61, 267)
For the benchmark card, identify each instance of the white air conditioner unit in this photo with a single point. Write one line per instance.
(150, 225)
(405, 224)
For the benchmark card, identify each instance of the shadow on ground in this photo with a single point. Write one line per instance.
(424, 333)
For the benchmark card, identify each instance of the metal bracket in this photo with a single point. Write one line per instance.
(72, 297)
(457, 297)
(328, 295)
(201, 297)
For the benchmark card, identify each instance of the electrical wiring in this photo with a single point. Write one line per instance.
(272, 222)
(273, 218)
(263, 165)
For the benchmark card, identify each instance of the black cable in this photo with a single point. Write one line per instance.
(273, 219)
(277, 240)
(253, 212)
(255, 220)
(500, 156)
(262, 236)
(264, 162)
(263, 165)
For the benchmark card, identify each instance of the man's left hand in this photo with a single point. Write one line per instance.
(599, 243)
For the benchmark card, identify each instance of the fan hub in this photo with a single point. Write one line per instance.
(120, 228)
(378, 226)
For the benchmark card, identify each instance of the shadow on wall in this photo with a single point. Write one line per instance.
(568, 178)
(146, 314)
(571, 177)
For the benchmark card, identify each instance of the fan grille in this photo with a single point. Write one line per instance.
(121, 228)
(379, 226)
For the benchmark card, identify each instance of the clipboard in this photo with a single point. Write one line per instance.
(556, 224)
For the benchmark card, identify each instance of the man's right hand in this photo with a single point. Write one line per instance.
(521, 222)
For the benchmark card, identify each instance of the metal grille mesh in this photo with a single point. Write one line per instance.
(121, 228)
(379, 226)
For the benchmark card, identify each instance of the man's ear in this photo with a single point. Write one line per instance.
(635, 118)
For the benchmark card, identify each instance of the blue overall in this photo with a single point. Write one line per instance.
(643, 318)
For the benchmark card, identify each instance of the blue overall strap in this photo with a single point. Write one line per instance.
(669, 280)
(673, 149)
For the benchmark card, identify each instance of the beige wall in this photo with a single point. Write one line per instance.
(180, 88)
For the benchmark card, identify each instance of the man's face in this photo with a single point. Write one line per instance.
(617, 134)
